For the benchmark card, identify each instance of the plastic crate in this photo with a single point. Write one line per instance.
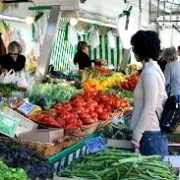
(64, 158)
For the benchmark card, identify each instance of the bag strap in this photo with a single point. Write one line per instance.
(11, 71)
(164, 84)
(161, 74)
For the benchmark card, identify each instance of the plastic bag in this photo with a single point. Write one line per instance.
(2, 77)
(22, 81)
(72, 35)
(10, 77)
(30, 81)
(111, 40)
(94, 38)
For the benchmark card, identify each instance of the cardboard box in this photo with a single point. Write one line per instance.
(122, 144)
(25, 123)
(43, 135)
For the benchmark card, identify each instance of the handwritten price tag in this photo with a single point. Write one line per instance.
(95, 145)
(8, 125)
(26, 108)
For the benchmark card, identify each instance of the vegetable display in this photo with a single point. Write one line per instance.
(91, 73)
(84, 109)
(98, 84)
(122, 94)
(130, 83)
(7, 89)
(17, 155)
(116, 165)
(8, 173)
(103, 71)
(118, 129)
(47, 95)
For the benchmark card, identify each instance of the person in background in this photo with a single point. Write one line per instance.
(13, 60)
(149, 95)
(2, 46)
(178, 52)
(82, 59)
(172, 70)
(161, 62)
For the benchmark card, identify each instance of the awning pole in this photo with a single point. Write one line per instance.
(45, 51)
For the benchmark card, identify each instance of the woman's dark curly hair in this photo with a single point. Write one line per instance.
(146, 45)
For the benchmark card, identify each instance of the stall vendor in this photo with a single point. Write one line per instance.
(13, 60)
(82, 59)
(161, 62)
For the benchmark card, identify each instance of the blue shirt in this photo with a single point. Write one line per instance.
(172, 76)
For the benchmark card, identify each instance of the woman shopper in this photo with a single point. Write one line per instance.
(13, 60)
(172, 70)
(82, 59)
(161, 62)
(150, 96)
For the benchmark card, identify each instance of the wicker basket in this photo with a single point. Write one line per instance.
(89, 129)
(45, 149)
(84, 131)
(109, 120)
(69, 141)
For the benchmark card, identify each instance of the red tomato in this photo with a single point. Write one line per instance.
(103, 116)
(78, 103)
(94, 103)
(94, 94)
(105, 110)
(93, 115)
(79, 123)
(61, 122)
(116, 104)
(109, 102)
(109, 109)
(84, 116)
(88, 121)
(75, 115)
(67, 106)
(58, 107)
(116, 96)
(41, 116)
(53, 112)
(99, 109)
(104, 98)
(89, 106)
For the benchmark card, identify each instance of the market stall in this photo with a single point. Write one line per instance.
(71, 123)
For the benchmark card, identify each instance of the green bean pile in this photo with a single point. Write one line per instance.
(119, 165)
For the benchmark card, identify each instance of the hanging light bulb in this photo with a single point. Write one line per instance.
(29, 20)
(73, 21)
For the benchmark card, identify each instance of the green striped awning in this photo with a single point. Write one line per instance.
(63, 52)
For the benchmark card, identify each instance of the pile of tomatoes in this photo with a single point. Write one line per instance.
(130, 82)
(103, 71)
(84, 109)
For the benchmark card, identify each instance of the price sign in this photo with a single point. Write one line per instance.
(26, 108)
(8, 125)
(95, 145)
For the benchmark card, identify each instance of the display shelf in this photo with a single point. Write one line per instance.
(64, 158)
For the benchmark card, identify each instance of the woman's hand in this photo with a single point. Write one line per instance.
(135, 146)
(103, 61)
